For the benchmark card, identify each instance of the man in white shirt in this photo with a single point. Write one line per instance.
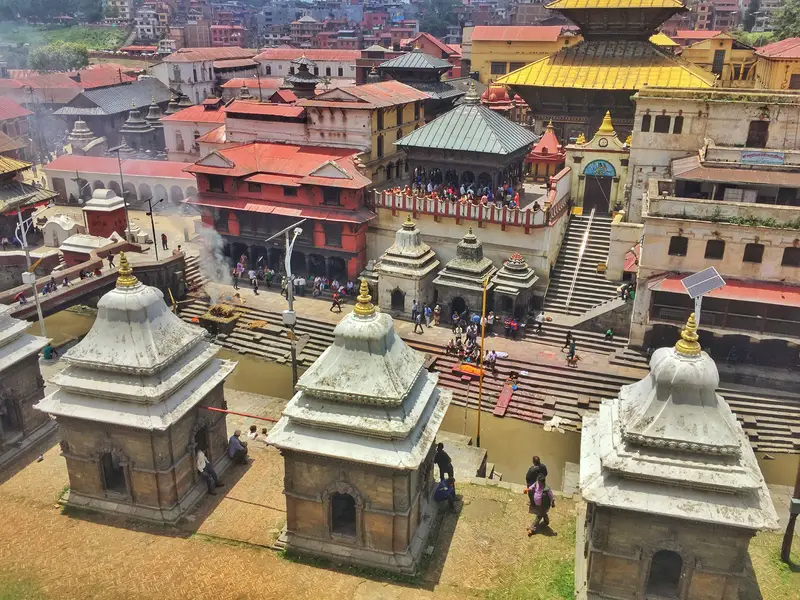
(208, 473)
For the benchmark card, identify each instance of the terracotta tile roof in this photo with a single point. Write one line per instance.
(287, 96)
(310, 53)
(371, 95)
(90, 165)
(788, 48)
(606, 4)
(139, 49)
(187, 55)
(102, 77)
(11, 110)
(456, 48)
(610, 65)
(517, 33)
(267, 83)
(691, 34)
(196, 114)
(9, 144)
(16, 73)
(321, 213)
(234, 62)
(310, 165)
(215, 136)
(433, 40)
(251, 107)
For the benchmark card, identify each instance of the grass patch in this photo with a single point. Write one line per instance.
(94, 38)
(222, 541)
(20, 590)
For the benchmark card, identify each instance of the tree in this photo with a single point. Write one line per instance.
(437, 15)
(788, 20)
(59, 56)
(750, 14)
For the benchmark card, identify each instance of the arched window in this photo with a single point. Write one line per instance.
(268, 70)
(179, 147)
(665, 574)
(113, 473)
(343, 514)
(398, 299)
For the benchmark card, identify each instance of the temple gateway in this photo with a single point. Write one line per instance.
(357, 441)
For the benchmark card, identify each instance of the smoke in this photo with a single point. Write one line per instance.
(213, 264)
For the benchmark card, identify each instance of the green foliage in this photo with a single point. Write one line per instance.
(59, 56)
(750, 14)
(788, 20)
(95, 38)
(755, 38)
(437, 15)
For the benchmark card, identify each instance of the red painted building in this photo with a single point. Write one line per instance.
(250, 192)
(223, 36)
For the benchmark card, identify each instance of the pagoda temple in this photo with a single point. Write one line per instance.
(131, 407)
(302, 81)
(21, 386)
(673, 490)
(459, 286)
(513, 287)
(406, 271)
(547, 157)
(358, 445)
(574, 87)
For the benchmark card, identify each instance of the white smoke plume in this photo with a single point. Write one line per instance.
(213, 264)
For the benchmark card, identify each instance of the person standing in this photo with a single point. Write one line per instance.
(490, 322)
(437, 314)
(541, 500)
(571, 353)
(443, 461)
(536, 469)
(268, 277)
(164, 241)
(428, 314)
(418, 323)
(208, 473)
(235, 279)
(254, 281)
(567, 341)
(414, 311)
(335, 303)
(539, 321)
(111, 260)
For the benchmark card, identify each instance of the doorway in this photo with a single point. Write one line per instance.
(597, 195)
(343, 514)
(398, 300)
(458, 305)
(201, 441)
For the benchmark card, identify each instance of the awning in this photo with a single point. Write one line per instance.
(691, 169)
(361, 215)
(270, 179)
(632, 259)
(744, 291)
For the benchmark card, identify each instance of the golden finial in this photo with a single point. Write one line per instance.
(581, 139)
(408, 224)
(688, 344)
(550, 124)
(628, 140)
(364, 306)
(126, 278)
(470, 231)
(607, 126)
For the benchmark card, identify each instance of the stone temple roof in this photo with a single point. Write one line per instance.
(409, 256)
(139, 366)
(15, 343)
(670, 445)
(514, 277)
(469, 268)
(368, 398)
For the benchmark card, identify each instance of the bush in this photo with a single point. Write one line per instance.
(59, 56)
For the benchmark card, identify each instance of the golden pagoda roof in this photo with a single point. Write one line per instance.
(607, 4)
(662, 39)
(610, 65)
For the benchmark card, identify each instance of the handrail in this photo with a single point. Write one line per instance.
(580, 257)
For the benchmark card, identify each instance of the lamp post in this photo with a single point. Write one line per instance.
(289, 316)
(122, 188)
(480, 376)
(28, 277)
(152, 222)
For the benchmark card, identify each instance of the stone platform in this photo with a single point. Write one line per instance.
(468, 461)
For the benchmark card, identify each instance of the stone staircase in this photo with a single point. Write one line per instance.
(591, 288)
(193, 275)
(554, 334)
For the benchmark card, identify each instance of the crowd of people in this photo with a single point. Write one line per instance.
(472, 193)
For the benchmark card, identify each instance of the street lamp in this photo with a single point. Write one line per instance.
(28, 277)
(152, 222)
(289, 316)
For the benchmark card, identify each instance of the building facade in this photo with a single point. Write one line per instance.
(336, 64)
(778, 66)
(183, 128)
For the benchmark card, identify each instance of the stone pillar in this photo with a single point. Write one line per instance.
(328, 267)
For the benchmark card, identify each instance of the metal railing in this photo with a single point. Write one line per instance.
(582, 249)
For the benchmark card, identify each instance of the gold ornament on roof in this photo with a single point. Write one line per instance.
(408, 224)
(126, 279)
(628, 140)
(364, 306)
(581, 139)
(607, 126)
(688, 345)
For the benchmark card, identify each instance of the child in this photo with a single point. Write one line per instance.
(253, 434)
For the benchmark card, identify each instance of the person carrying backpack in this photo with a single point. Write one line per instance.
(541, 500)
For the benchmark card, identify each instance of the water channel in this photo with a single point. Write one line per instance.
(510, 442)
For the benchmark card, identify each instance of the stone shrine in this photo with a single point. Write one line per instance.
(358, 444)
(406, 271)
(130, 407)
(21, 385)
(513, 287)
(673, 490)
(460, 284)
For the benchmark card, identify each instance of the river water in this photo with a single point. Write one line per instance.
(510, 443)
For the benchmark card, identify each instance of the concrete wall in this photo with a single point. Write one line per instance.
(13, 264)
(624, 236)
(187, 131)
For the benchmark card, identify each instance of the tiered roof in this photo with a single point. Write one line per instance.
(469, 268)
(15, 344)
(409, 256)
(515, 277)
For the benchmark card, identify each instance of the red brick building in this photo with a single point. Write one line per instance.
(224, 36)
(252, 191)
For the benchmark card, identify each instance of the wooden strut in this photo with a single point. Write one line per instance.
(241, 414)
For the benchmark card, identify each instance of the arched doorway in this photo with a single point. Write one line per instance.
(317, 264)
(130, 192)
(343, 514)
(159, 192)
(201, 440)
(275, 260)
(84, 190)
(191, 191)
(113, 472)
(467, 177)
(390, 171)
(398, 300)
(98, 185)
(665, 574)
(599, 176)
(338, 268)
(144, 191)
(175, 194)
(458, 305)
(484, 180)
(298, 263)
(114, 186)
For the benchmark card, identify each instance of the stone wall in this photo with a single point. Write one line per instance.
(624, 236)
(13, 264)
(23, 385)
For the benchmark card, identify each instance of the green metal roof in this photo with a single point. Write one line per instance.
(470, 127)
(416, 60)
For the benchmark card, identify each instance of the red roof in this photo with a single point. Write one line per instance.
(185, 55)
(11, 110)
(90, 165)
(548, 147)
(102, 76)
(692, 34)
(435, 41)
(235, 62)
(251, 107)
(746, 291)
(788, 48)
(287, 96)
(267, 83)
(139, 48)
(371, 95)
(362, 215)
(310, 53)
(196, 114)
(517, 33)
(311, 165)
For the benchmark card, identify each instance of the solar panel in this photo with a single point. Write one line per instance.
(703, 282)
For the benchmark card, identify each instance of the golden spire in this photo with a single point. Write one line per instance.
(688, 344)
(581, 139)
(607, 126)
(364, 306)
(628, 140)
(408, 224)
(126, 279)
(550, 124)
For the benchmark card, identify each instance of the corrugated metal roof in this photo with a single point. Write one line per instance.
(605, 4)
(234, 62)
(516, 33)
(439, 90)
(470, 128)
(11, 110)
(8, 144)
(317, 54)
(120, 98)
(373, 95)
(416, 60)
(12, 192)
(12, 165)
(187, 55)
(610, 65)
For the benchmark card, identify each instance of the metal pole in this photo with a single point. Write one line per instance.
(788, 537)
(124, 199)
(482, 351)
(24, 241)
(153, 225)
(290, 299)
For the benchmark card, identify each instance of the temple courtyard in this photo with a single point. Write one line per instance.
(223, 550)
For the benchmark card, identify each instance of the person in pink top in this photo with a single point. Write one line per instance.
(541, 500)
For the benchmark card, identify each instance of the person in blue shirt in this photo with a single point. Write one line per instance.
(446, 490)
(237, 450)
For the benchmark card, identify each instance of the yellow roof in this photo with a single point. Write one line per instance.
(662, 39)
(583, 4)
(610, 65)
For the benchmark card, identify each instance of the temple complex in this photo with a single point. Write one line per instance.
(513, 287)
(302, 81)
(406, 271)
(511, 107)
(460, 284)
(21, 386)
(673, 490)
(357, 441)
(547, 157)
(130, 407)
(470, 144)
(574, 87)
